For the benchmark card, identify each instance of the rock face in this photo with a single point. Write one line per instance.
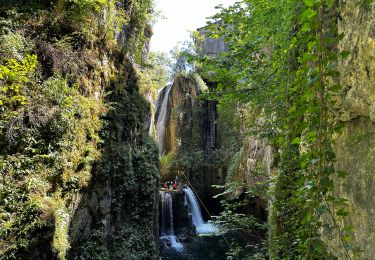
(186, 133)
(117, 215)
(358, 70)
(175, 114)
(355, 146)
(252, 165)
(95, 168)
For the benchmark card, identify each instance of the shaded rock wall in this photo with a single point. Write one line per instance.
(251, 167)
(355, 145)
(98, 179)
(117, 215)
(358, 70)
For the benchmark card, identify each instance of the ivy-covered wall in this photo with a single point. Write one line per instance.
(79, 173)
(354, 145)
(117, 216)
(306, 69)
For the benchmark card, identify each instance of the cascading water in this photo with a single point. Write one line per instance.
(201, 226)
(166, 227)
(161, 117)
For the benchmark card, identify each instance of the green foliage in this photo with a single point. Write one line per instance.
(155, 75)
(21, 211)
(95, 247)
(166, 163)
(52, 119)
(130, 164)
(14, 75)
(128, 242)
(181, 63)
(136, 245)
(53, 157)
(60, 239)
(282, 63)
(231, 219)
(14, 45)
(140, 12)
(95, 19)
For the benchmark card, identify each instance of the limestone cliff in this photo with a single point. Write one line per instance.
(251, 167)
(175, 117)
(186, 127)
(355, 145)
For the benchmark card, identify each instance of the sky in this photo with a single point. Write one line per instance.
(180, 17)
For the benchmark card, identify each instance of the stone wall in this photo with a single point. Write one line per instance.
(210, 46)
(355, 145)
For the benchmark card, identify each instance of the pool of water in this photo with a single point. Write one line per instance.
(207, 247)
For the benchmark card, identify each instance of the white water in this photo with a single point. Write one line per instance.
(167, 232)
(201, 226)
(161, 117)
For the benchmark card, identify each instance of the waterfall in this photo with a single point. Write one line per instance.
(161, 117)
(201, 226)
(166, 227)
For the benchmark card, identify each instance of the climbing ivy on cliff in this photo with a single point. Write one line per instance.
(282, 62)
(59, 59)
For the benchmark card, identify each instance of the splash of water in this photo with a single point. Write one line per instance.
(201, 226)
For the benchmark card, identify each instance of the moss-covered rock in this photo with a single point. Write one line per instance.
(79, 172)
(354, 146)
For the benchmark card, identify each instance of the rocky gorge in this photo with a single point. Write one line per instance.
(269, 141)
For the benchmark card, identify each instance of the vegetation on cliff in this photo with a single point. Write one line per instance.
(69, 106)
(79, 172)
(279, 82)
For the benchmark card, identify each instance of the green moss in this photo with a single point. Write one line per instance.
(166, 162)
(60, 239)
(95, 247)
(135, 246)
(59, 132)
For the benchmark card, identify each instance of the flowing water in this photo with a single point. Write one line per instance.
(201, 226)
(161, 117)
(166, 228)
(208, 245)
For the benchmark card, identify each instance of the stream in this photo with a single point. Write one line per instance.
(207, 244)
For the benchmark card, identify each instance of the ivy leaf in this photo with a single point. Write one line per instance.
(311, 44)
(347, 239)
(340, 36)
(348, 228)
(330, 3)
(296, 140)
(342, 212)
(342, 174)
(336, 88)
(309, 3)
(344, 54)
(308, 14)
